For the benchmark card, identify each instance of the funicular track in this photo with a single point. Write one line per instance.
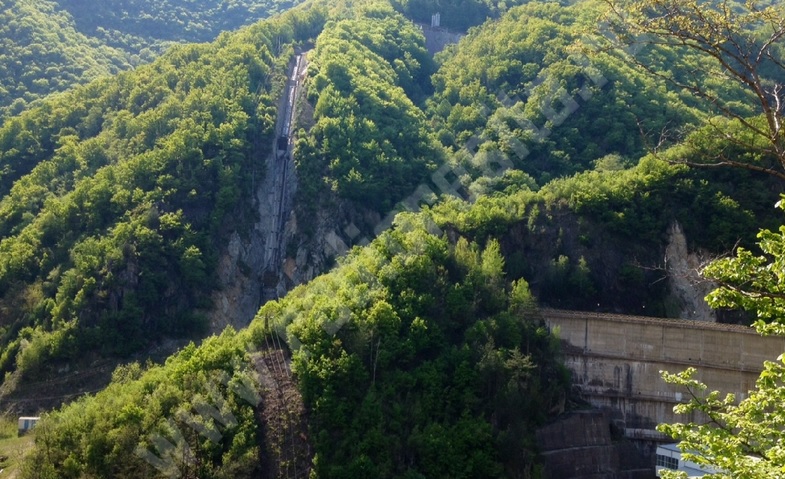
(282, 415)
(286, 452)
(280, 169)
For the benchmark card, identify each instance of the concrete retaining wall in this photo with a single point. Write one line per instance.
(580, 446)
(616, 361)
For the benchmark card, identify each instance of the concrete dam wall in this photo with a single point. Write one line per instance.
(616, 362)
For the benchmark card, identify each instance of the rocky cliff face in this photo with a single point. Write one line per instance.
(250, 270)
(573, 262)
(244, 266)
(436, 39)
(311, 254)
(556, 251)
(239, 296)
(688, 289)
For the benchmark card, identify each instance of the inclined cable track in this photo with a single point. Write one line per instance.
(275, 358)
(280, 168)
(290, 429)
(276, 361)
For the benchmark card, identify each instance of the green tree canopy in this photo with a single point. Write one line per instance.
(415, 357)
(116, 195)
(41, 52)
(533, 86)
(742, 43)
(370, 143)
(743, 439)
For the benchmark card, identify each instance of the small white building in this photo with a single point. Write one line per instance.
(669, 457)
(27, 423)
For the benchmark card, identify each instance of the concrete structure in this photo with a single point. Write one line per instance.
(616, 362)
(437, 38)
(581, 445)
(669, 458)
(26, 423)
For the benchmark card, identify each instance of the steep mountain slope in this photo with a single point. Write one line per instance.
(117, 195)
(522, 100)
(41, 52)
(369, 136)
(540, 87)
(415, 357)
(418, 355)
(49, 46)
(147, 22)
(598, 240)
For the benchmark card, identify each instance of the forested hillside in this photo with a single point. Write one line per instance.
(51, 45)
(540, 87)
(546, 165)
(523, 101)
(142, 23)
(597, 240)
(42, 52)
(116, 195)
(415, 357)
(369, 136)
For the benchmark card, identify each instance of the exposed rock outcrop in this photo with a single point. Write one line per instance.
(249, 269)
(688, 289)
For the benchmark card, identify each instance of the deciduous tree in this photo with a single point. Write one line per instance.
(743, 439)
(743, 42)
